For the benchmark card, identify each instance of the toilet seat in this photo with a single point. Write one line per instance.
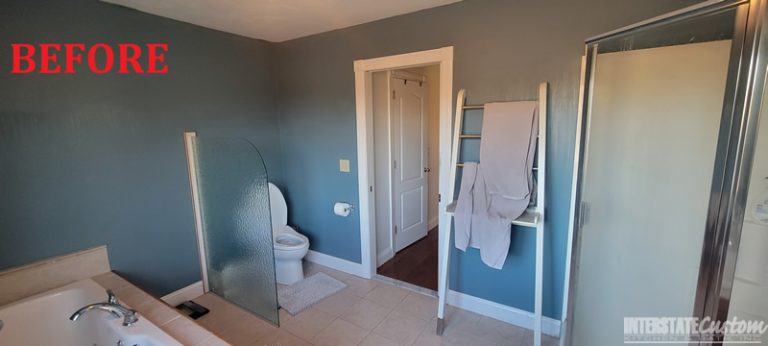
(286, 238)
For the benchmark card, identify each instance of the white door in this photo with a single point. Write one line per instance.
(409, 161)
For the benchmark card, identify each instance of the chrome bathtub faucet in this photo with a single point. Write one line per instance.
(113, 307)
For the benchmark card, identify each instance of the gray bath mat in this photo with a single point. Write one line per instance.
(303, 294)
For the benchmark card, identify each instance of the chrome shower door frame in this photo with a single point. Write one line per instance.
(735, 148)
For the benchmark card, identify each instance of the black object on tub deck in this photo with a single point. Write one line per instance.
(192, 309)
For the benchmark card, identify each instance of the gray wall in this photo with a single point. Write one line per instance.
(503, 50)
(99, 159)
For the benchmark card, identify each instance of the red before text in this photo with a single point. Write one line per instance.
(99, 58)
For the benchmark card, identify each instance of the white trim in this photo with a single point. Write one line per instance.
(504, 313)
(541, 180)
(364, 121)
(572, 213)
(339, 264)
(406, 285)
(432, 223)
(189, 148)
(182, 295)
(385, 256)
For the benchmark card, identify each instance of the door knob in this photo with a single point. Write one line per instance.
(427, 170)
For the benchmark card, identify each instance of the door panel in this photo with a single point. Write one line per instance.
(412, 216)
(412, 117)
(409, 148)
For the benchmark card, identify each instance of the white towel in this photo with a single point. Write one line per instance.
(506, 155)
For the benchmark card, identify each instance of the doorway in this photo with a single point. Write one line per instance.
(406, 169)
(409, 66)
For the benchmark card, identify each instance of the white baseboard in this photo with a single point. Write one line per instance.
(182, 295)
(432, 223)
(385, 256)
(502, 312)
(335, 263)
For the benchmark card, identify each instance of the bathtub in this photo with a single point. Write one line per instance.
(43, 319)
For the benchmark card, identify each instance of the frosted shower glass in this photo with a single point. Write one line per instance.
(237, 230)
(654, 121)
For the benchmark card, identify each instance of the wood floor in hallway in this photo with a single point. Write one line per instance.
(416, 264)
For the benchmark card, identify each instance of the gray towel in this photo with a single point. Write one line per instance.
(465, 206)
(498, 190)
(474, 226)
(507, 151)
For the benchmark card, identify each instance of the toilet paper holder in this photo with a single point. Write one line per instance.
(343, 208)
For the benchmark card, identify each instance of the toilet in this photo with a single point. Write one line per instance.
(290, 246)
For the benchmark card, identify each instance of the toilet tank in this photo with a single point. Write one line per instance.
(277, 206)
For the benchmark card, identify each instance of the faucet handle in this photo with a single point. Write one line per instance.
(111, 297)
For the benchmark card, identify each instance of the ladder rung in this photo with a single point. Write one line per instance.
(462, 165)
(476, 136)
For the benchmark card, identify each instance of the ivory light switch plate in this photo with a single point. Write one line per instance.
(344, 165)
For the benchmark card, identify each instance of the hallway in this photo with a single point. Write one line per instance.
(416, 264)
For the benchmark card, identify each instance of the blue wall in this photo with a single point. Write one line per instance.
(88, 160)
(503, 50)
(91, 159)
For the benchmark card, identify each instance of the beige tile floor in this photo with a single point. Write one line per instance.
(366, 312)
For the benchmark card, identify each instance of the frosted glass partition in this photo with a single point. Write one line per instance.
(236, 225)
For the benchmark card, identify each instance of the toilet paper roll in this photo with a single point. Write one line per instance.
(342, 209)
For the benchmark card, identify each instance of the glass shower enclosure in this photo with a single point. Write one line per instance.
(667, 143)
(230, 194)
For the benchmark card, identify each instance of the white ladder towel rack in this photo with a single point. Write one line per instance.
(533, 217)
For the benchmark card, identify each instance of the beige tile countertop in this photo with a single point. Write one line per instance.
(179, 326)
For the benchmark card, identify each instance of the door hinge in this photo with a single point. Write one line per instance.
(583, 213)
(394, 164)
(393, 94)
(370, 188)
(395, 229)
(439, 198)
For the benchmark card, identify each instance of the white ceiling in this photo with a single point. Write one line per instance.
(278, 20)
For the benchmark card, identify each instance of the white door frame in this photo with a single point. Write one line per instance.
(365, 157)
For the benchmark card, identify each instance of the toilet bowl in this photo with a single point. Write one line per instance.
(290, 246)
